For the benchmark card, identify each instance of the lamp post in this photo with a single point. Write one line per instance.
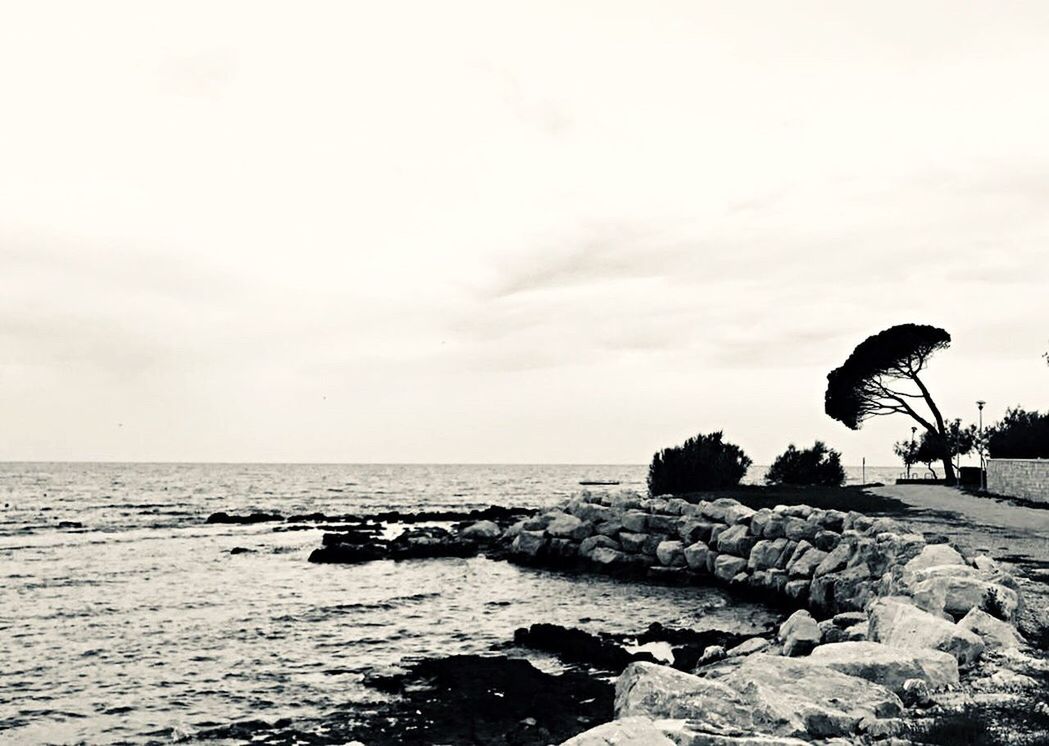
(913, 431)
(983, 465)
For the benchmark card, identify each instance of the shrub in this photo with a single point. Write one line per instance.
(705, 462)
(817, 465)
(1020, 434)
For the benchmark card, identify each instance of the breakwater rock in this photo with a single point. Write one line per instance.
(884, 617)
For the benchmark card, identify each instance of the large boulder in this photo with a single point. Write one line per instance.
(800, 529)
(483, 531)
(671, 553)
(836, 560)
(753, 696)
(800, 633)
(588, 545)
(635, 521)
(804, 563)
(692, 529)
(996, 634)
(529, 543)
(769, 553)
(847, 590)
(896, 621)
(726, 510)
(887, 665)
(661, 692)
(697, 557)
(958, 594)
(736, 540)
(568, 526)
(931, 556)
(798, 698)
(632, 542)
(726, 566)
(665, 525)
(626, 731)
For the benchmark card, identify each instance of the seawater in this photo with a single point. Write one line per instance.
(139, 625)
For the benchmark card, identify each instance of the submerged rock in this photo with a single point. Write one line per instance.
(256, 517)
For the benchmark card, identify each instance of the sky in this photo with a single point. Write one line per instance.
(570, 232)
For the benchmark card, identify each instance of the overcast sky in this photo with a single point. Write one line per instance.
(527, 232)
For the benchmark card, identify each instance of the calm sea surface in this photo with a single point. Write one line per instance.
(138, 625)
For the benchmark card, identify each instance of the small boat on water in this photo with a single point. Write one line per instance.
(597, 483)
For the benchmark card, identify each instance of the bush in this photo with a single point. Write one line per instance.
(704, 462)
(1020, 434)
(817, 465)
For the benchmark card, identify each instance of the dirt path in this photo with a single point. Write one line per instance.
(1008, 532)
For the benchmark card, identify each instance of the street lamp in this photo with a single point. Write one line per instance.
(983, 465)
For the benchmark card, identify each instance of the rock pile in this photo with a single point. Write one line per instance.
(901, 618)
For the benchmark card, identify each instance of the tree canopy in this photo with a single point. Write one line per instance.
(880, 377)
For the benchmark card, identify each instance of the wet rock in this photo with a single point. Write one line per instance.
(726, 567)
(70, 524)
(635, 521)
(848, 590)
(769, 553)
(753, 645)
(804, 562)
(692, 529)
(588, 545)
(830, 632)
(467, 699)
(835, 561)
(348, 554)
(429, 542)
(671, 553)
(798, 529)
(665, 525)
(483, 531)
(697, 557)
(826, 540)
(578, 646)
(566, 526)
(736, 540)
(889, 666)
(241, 550)
(632, 542)
(712, 654)
(847, 619)
(797, 591)
(622, 732)
(529, 543)
(996, 634)
(256, 517)
(899, 623)
(759, 520)
(799, 634)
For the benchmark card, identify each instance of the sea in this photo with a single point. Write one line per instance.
(124, 617)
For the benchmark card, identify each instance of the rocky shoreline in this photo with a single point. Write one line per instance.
(891, 632)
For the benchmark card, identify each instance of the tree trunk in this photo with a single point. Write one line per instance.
(948, 471)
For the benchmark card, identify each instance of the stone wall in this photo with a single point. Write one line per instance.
(827, 561)
(1024, 478)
